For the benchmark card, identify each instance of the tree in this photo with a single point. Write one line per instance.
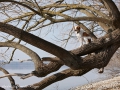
(21, 18)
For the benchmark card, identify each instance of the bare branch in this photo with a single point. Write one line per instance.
(56, 77)
(104, 26)
(76, 6)
(97, 19)
(22, 76)
(10, 78)
(19, 17)
(22, 5)
(25, 60)
(32, 54)
(112, 8)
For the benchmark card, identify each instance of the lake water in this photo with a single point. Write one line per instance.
(65, 84)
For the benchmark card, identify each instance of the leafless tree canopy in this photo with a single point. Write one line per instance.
(22, 19)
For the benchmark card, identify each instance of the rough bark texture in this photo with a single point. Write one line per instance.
(56, 77)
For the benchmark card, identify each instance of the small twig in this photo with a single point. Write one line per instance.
(25, 60)
(27, 76)
(22, 76)
(11, 58)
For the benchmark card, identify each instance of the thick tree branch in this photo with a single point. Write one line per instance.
(2, 88)
(106, 41)
(68, 58)
(52, 59)
(40, 43)
(114, 12)
(36, 59)
(83, 63)
(112, 8)
(106, 53)
(85, 60)
(40, 68)
(56, 77)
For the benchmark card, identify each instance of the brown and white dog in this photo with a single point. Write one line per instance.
(84, 38)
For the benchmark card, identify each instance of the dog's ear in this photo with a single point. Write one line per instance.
(78, 27)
